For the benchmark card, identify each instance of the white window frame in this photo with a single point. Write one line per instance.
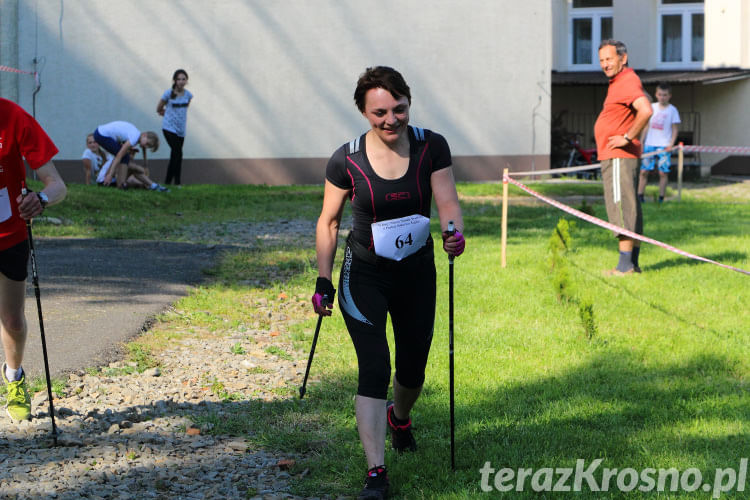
(595, 14)
(686, 10)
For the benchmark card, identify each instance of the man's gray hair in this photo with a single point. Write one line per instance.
(618, 45)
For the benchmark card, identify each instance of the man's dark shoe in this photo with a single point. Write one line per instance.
(401, 437)
(376, 484)
(617, 272)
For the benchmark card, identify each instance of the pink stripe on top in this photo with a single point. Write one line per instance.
(354, 189)
(419, 166)
(369, 185)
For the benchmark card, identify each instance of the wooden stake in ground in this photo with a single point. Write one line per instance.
(680, 165)
(504, 230)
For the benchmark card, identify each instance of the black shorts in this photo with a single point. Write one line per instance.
(370, 288)
(14, 261)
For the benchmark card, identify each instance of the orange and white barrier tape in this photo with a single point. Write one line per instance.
(9, 69)
(734, 150)
(617, 229)
(14, 70)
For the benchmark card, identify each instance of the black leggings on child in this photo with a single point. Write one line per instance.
(175, 157)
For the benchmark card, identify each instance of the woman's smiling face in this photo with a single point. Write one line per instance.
(388, 116)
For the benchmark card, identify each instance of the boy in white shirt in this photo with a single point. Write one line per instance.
(660, 134)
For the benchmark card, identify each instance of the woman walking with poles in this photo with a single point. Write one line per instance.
(390, 175)
(21, 138)
(173, 107)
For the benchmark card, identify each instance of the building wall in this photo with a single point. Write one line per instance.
(727, 33)
(274, 80)
(560, 28)
(634, 24)
(719, 108)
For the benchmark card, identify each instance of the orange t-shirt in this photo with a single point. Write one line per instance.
(618, 114)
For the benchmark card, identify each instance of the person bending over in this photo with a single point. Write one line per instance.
(119, 138)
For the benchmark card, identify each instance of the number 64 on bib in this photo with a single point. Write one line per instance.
(396, 239)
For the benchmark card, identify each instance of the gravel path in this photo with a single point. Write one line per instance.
(135, 436)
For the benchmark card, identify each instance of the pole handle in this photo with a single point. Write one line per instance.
(451, 231)
(303, 389)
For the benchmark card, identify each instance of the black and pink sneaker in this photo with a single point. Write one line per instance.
(401, 437)
(376, 484)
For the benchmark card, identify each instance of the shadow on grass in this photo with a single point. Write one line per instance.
(612, 407)
(723, 257)
(649, 303)
(262, 267)
(684, 414)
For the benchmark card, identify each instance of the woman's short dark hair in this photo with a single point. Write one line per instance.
(380, 77)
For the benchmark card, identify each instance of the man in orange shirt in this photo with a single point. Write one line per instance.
(625, 113)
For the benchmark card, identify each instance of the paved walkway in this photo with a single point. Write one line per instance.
(98, 293)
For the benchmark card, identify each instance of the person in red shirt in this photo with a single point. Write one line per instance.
(625, 113)
(21, 138)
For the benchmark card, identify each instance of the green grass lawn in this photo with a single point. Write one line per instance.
(662, 382)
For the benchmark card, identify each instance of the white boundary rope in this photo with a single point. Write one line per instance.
(734, 150)
(617, 229)
(564, 170)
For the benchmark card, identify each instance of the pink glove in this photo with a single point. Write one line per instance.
(322, 300)
(454, 244)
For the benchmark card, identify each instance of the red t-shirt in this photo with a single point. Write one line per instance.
(20, 137)
(618, 114)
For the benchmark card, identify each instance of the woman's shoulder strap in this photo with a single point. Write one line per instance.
(353, 146)
(420, 134)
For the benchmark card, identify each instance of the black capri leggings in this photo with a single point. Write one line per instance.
(174, 169)
(371, 287)
(14, 261)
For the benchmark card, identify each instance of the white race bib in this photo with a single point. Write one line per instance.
(5, 210)
(396, 239)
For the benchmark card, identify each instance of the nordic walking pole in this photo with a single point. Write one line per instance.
(451, 230)
(302, 389)
(35, 281)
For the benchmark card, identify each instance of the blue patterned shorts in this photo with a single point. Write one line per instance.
(663, 159)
